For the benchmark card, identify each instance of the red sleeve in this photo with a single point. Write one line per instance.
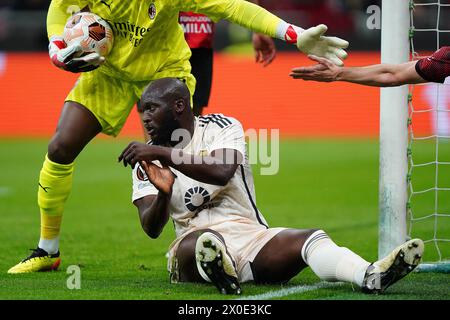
(198, 29)
(435, 68)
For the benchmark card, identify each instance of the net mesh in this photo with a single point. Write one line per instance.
(429, 137)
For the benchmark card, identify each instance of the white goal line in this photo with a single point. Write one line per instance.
(292, 290)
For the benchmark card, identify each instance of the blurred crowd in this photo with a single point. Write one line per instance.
(22, 22)
(339, 15)
(269, 4)
(25, 4)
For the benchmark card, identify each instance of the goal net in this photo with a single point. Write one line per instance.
(428, 178)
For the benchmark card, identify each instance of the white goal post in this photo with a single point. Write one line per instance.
(393, 194)
(399, 215)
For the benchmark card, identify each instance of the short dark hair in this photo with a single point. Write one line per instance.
(166, 88)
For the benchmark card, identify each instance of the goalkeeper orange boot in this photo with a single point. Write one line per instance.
(39, 260)
(385, 272)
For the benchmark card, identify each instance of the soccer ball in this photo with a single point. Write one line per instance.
(90, 31)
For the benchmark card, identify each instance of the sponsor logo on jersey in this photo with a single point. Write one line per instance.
(133, 33)
(195, 198)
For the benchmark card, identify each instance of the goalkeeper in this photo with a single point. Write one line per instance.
(149, 45)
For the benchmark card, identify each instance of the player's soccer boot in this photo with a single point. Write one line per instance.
(214, 263)
(385, 272)
(39, 260)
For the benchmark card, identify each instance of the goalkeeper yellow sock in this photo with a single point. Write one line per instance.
(55, 183)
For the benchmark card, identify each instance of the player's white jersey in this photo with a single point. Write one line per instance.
(199, 205)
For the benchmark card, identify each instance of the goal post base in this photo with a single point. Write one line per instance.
(437, 267)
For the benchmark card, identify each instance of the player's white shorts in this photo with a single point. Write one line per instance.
(243, 238)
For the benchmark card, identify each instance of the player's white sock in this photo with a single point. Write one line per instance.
(49, 245)
(331, 262)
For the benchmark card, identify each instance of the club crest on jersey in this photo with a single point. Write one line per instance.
(196, 197)
(141, 175)
(152, 11)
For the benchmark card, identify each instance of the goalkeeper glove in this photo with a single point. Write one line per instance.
(312, 42)
(63, 56)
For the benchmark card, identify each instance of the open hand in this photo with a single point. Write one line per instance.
(161, 178)
(323, 71)
(264, 49)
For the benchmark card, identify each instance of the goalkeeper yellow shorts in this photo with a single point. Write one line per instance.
(111, 99)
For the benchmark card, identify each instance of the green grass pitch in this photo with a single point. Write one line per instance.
(330, 184)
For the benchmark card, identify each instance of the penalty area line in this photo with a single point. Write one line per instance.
(291, 290)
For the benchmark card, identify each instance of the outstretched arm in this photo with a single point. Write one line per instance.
(379, 75)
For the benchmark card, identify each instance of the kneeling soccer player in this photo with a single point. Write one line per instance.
(221, 236)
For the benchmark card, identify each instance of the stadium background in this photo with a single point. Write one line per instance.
(328, 157)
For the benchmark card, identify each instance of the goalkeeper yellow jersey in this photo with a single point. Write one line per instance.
(148, 40)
